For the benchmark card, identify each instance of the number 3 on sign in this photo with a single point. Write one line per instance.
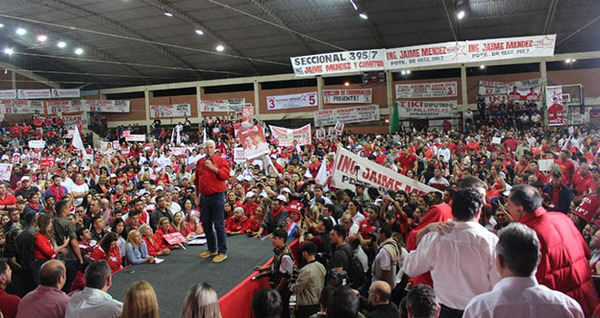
(271, 103)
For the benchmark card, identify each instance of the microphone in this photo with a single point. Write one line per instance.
(261, 275)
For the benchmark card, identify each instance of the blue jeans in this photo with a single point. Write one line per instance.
(212, 212)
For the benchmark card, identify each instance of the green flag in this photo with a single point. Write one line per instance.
(395, 121)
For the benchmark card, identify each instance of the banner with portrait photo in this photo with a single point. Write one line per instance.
(286, 137)
(5, 171)
(222, 105)
(170, 111)
(554, 105)
(253, 141)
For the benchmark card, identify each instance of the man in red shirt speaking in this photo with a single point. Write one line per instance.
(212, 172)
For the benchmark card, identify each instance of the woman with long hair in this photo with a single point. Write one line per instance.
(356, 211)
(118, 226)
(140, 301)
(136, 250)
(44, 245)
(180, 225)
(201, 301)
(108, 250)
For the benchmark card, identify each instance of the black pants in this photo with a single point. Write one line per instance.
(306, 311)
(448, 312)
(72, 268)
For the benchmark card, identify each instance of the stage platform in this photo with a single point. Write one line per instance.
(182, 269)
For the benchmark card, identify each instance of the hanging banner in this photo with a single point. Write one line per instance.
(350, 168)
(359, 114)
(8, 94)
(348, 96)
(292, 101)
(426, 109)
(238, 155)
(37, 144)
(5, 171)
(554, 104)
(178, 151)
(222, 105)
(254, 142)
(339, 62)
(105, 106)
(510, 48)
(175, 110)
(575, 117)
(526, 90)
(55, 107)
(10, 106)
(65, 93)
(424, 55)
(74, 120)
(286, 136)
(136, 138)
(34, 94)
(427, 90)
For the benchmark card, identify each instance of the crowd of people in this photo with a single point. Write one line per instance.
(507, 226)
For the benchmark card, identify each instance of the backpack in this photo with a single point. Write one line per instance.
(356, 272)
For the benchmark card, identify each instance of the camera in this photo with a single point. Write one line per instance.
(293, 276)
(339, 278)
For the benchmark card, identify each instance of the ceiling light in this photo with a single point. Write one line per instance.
(387, 120)
(363, 16)
(78, 51)
(347, 83)
(573, 60)
(407, 72)
(21, 31)
(8, 51)
(482, 67)
(42, 38)
(461, 14)
(220, 48)
(403, 72)
(168, 14)
(568, 61)
(61, 44)
(199, 32)
(354, 5)
(1, 25)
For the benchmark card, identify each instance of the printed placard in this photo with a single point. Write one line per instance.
(5, 171)
(136, 138)
(427, 90)
(292, 101)
(286, 137)
(426, 109)
(238, 155)
(105, 106)
(348, 96)
(254, 142)
(554, 104)
(38, 144)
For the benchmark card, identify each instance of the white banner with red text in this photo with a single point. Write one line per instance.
(510, 48)
(426, 109)
(286, 137)
(34, 94)
(222, 105)
(359, 114)
(17, 106)
(292, 101)
(105, 106)
(36, 144)
(75, 120)
(526, 90)
(348, 96)
(175, 110)
(350, 168)
(339, 62)
(8, 94)
(65, 93)
(427, 90)
(55, 107)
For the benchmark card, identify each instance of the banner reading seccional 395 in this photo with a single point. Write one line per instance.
(426, 90)
(339, 62)
(426, 109)
(286, 137)
(348, 96)
(350, 168)
(292, 101)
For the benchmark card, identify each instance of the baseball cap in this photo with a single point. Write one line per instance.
(25, 178)
(281, 198)
(159, 188)
(249, 194)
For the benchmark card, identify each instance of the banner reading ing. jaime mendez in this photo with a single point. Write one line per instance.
(339, 62)
(292, 101)
(349, 167)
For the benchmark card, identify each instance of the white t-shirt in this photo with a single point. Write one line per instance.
(79, 189)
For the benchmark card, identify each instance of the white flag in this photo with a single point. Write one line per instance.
(77, 142)
(322, 175)
(204, 136)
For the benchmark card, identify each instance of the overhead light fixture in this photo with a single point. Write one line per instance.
(8, 51)
(407, 72)
(387, 120)
(363, 16)
(573, 60)
(61, 44)
(199, 32)
(568, 61)
(168, 14)
(482, 67)
(78, 51)
(354, 5)
(346, 83)
(220, 48)
(461, 14)
(42, 38)
(21, 31)
(1, 25)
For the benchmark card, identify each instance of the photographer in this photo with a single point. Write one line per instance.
(309, 283)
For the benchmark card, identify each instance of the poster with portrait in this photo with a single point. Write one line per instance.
(247, 116)
(253, 141)
(554, 104)
(5, 171)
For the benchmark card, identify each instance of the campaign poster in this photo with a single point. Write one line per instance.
(554, 104)
(253, 141)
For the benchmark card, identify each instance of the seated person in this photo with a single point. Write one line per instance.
(137, 252)
(235, 223)
(154, 249)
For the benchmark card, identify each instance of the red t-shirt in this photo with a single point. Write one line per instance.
(9, 199)
(365, 228)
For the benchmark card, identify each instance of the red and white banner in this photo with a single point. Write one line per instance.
(339, 62)
(222, 105)
(359, 114)
(5, 171)
(8, 94)
(554, 104)
(34, 93)
(348, 96)
(178, 151)
(238, 155)
(426, 109)
(74, 120)
(247, 116)
(175, 110)
(350, 168)
(254, 142)
(39, 144)
(510, 48)
(55, 107)
(423, 55)
(10, 106)
(427, 90)
(46, 162)
(286, 137)
(588, 207)
(292, 101)
(526, 90)
(105, 106)
(136, 138)
(66, 93)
